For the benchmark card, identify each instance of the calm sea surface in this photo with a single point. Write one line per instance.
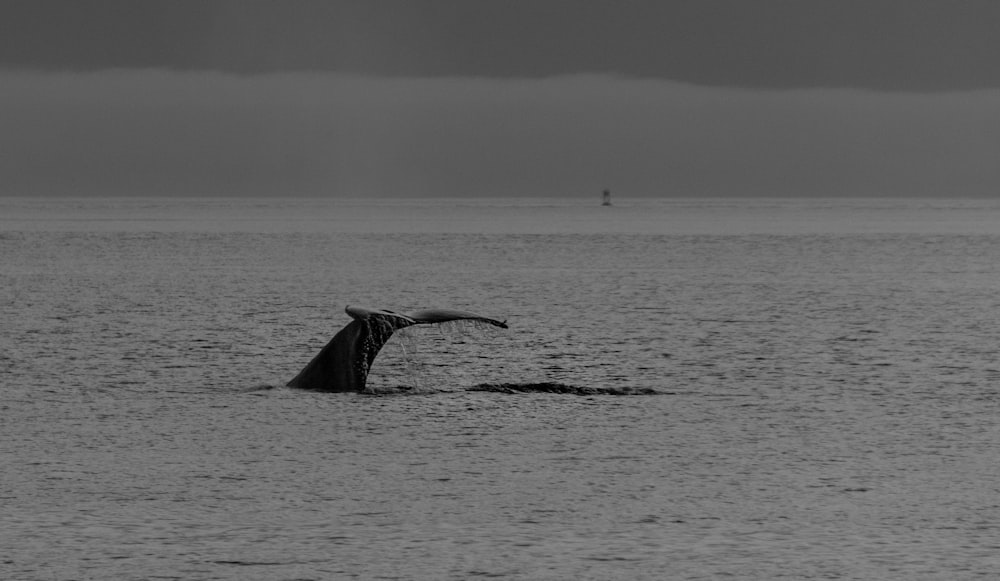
(829, 402)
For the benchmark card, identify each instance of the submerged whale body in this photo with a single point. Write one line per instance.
(344, 363)
(562, 388)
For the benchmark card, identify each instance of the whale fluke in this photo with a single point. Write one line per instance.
(344, 363)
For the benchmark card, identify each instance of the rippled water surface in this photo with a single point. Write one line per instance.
(828, 391)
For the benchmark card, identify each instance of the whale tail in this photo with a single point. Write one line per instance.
(343, 364)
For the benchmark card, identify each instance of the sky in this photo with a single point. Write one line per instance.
(500, 98)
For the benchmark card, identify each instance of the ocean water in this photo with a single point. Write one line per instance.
(827, 407)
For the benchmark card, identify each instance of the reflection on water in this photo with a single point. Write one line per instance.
(827, 406)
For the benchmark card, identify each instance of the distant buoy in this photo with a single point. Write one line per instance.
(607, 198)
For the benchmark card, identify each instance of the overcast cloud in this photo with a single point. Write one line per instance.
(160, 133)
(499, 97)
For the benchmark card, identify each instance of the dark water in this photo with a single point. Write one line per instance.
(827, 379)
